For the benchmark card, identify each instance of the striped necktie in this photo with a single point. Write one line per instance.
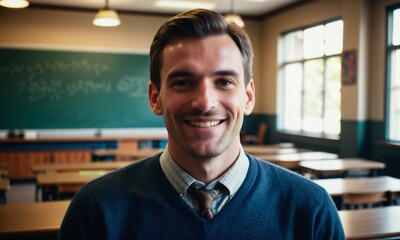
(204, 198)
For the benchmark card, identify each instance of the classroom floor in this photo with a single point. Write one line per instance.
(21, 192)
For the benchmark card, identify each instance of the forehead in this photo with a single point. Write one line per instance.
(213, 51)
(193, 44)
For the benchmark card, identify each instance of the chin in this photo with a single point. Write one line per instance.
(206, 152)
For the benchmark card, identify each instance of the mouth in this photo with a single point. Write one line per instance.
(204, 124)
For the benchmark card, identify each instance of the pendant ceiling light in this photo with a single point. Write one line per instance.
(106, 17)
(14, 3)
(233, 17)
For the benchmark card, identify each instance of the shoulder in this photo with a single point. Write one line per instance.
(285, 182)
(116, 182)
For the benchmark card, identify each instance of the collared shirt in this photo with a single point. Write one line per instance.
(181, 180)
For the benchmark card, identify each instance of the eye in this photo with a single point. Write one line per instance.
(182, 83)
(225, 82)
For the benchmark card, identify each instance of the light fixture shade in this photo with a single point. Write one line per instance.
(234, 18)
(14, 3)
(106, 18)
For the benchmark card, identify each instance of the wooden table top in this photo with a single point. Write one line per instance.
(81, 177)
(381, 222)
(293, 160)
(267, 150)
(300, 156)
(342, 186)
(268, 146)
(69, 167)
(344, 164)
(28, 218)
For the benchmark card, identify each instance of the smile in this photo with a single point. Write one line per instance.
(204, 124)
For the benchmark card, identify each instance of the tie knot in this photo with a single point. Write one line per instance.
(205, 198)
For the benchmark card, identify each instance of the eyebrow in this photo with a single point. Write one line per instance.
(227, 73)
(177, 74)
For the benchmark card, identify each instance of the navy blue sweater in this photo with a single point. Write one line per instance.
(138, 202)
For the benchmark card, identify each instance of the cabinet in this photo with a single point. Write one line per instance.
(21, 154)
(20, 162)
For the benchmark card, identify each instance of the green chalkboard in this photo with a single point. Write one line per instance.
(44, 89)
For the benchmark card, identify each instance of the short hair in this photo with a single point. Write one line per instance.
(198, 23)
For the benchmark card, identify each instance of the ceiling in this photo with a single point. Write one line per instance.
(249, 8)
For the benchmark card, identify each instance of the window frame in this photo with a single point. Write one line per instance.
(390, 48)
(281, 82)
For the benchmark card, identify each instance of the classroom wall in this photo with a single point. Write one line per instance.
(40, 28)
(364, 30)
(362, 124)
(32, 27)
(67, 29)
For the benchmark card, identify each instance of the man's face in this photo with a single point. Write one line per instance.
(202, 97)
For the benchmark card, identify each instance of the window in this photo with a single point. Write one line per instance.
(310, 79)
(393, 74)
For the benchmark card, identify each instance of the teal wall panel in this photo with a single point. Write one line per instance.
(357, 139)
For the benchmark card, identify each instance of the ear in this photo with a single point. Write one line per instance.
(154, 99)
(250, 98)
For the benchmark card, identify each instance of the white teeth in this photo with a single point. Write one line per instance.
(204, 124)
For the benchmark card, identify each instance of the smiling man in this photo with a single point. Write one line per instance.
(203, 98)
(203, 186)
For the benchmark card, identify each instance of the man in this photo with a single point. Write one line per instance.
(201, 83)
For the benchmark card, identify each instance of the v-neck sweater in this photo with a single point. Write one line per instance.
(138, 202)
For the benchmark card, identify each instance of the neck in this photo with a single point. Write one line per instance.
(205, 169)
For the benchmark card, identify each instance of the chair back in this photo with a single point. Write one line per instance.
(262, 130)
(365, 200)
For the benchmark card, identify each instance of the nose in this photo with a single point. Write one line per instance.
(205, 96)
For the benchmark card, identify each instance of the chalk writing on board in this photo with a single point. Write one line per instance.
(87, 86)
(45, 80)
(41, 89)
(135, 86)
(56, 66)
(55, 89)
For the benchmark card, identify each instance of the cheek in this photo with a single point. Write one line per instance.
(172, 102)
(236, 105)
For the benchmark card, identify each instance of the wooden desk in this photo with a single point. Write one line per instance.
(342, 186)
(32, 220)
(292, 161)
(382, 222)
(123, 154)
(76, 167)
(258, 150)
(21, 160)
(340, 166)
(338, 188)
(52, 184)
(274, 145)
(46, 182)
(4, 186)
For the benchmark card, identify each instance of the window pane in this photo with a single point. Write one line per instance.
(394, 120)
(394, 127)
(396, 27)
(314, 42)
(313, 95)
(311, 73)
(332, 96)
(293, 46)
(333, 37)
(292, 105)
(395, 74)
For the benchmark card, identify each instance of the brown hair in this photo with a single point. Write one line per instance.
(198, 23)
